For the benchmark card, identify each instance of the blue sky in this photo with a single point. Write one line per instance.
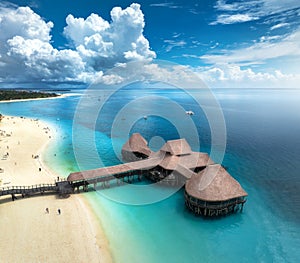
(226, 43)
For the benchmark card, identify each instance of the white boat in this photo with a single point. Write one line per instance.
(189, 112)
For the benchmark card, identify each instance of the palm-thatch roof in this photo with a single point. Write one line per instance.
(177, 147)
(190, 161)
(214, 183)
(137, 143)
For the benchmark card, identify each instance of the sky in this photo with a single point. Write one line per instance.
(232, 44)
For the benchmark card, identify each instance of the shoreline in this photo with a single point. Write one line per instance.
(60, 96)
(28, 233)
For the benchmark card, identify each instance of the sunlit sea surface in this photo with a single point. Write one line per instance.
(262, 153)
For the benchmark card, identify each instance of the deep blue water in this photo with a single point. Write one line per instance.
(262, 153)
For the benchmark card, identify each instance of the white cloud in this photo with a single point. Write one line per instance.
(240, 11)
(274, 6)
(221, 76)
(222, 5)
(179, 75)
(280, 25)
(174, 43)
(101, 43)
(168, 5)
(109, 79)
(232, 19)
(79, 28)
(23, 22)
(288, 46)
(38, 60)
(26, 52)
(233, 76)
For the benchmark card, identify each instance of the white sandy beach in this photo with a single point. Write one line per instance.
(27, 232)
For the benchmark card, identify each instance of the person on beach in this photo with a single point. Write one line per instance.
(58, 211)
(47, 210)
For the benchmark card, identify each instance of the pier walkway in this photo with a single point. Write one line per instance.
(28, 190)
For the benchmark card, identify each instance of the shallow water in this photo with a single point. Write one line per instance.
(262, 153)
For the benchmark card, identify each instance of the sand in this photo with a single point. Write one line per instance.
(27, 232)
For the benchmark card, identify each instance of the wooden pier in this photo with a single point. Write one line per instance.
(209, 189)
(61, 188)
(28, 190)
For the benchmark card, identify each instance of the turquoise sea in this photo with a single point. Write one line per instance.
(262, 153)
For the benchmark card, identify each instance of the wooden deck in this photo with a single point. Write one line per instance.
(113, 172)
(61, 188)
(119, 172)
(28, 190)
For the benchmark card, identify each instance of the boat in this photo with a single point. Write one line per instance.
(189, 112)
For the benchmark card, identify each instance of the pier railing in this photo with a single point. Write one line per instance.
(27, 190)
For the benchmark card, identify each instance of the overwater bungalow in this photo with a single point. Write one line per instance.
(136, 148)
(209, 189)
(176, 162)
(214, 192)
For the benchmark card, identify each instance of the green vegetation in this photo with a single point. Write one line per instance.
(23, 94)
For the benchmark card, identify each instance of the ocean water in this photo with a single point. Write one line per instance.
(262, 153)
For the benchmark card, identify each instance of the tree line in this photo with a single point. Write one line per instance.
(24, 94)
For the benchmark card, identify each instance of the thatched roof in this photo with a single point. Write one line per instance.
(195, 159)
(190, 161)
(169, 162)
(185, 172)
(214, 183)
(137, 143)
(177, 147)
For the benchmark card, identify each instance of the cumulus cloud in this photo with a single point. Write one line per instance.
(25, 49)
(23, 22)
(26, 52)
(38, 60)
(218, 76)
(102, 44)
